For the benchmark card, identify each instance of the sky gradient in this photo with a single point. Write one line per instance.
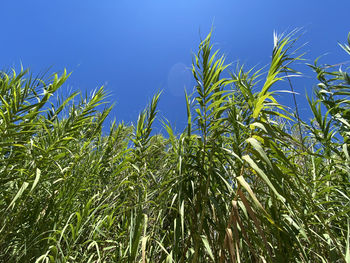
(136, 48)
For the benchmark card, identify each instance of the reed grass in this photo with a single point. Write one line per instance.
(246, 181)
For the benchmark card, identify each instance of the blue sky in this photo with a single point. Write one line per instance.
(135, 48)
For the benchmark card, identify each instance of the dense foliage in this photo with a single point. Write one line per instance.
(247, 180)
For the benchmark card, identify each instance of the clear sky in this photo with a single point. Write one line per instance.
(135, 48)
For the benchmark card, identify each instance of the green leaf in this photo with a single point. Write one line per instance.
(36, 180)
(257, 146)
(261, 173)
(18, 195)
(207, 247)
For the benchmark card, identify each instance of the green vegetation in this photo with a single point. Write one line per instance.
(247, 180)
